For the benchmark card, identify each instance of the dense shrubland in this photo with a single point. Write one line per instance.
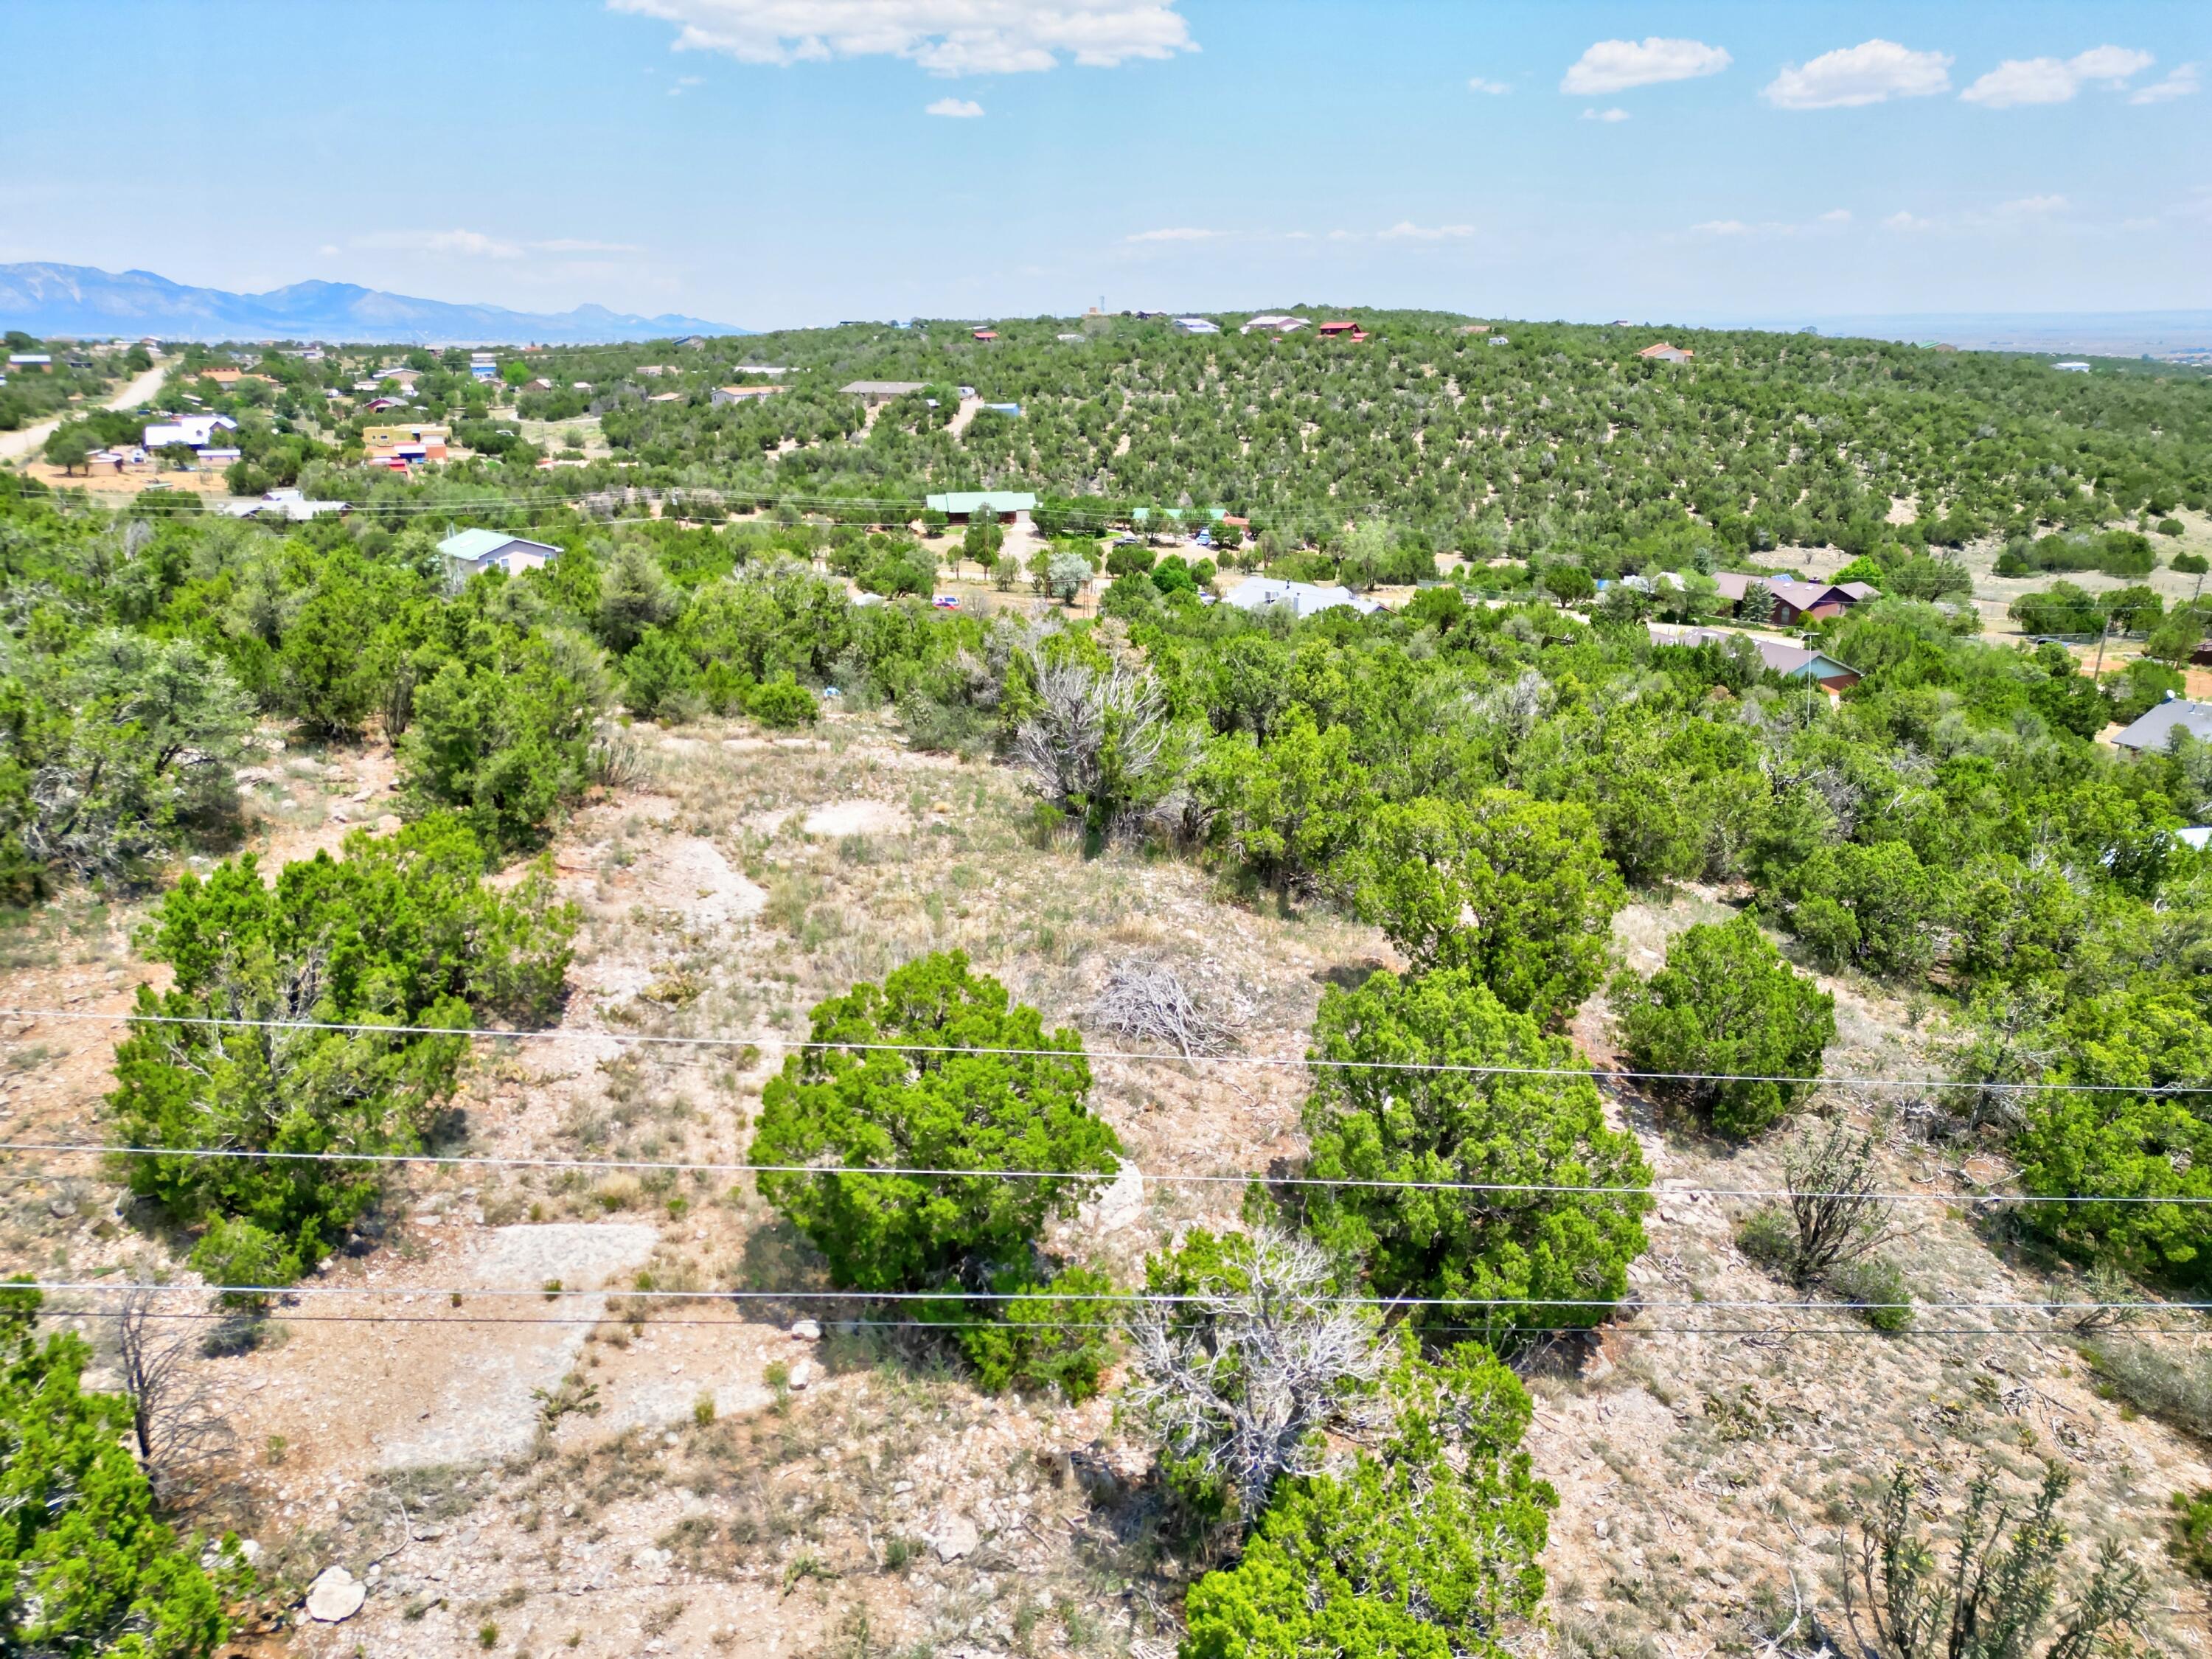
(1486, 782)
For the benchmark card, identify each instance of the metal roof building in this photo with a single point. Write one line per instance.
(1300, 598)
(960, 503)
(2155, 727)
(475, 550)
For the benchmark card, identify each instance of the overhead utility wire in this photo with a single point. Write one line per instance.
(765, 1039)
(2014, 1332)
(467, 1160)
(1122, 1298)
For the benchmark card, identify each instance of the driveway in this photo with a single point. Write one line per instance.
(26, 440)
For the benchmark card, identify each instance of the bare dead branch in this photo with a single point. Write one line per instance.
(1145, 998)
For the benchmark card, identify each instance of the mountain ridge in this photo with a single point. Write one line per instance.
(47, 298)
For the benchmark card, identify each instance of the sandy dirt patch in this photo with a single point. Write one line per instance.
(477, 1393)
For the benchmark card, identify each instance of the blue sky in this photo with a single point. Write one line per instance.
(776, 162)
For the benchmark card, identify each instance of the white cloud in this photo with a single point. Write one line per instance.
(1495, 89)
(1406, 231)
(2180, 82)
(328, 249)
(2033, 207)
(1869, 73)
(946, 37)
(2055, 80)
(578, 245)
(475, 245)
(956, 109)
(1837, 216)
(1177, 233)
(1605, 115)
(1907, 222)
(471, 244)
(1617, 65)
(1344, 236)
(1721, 228)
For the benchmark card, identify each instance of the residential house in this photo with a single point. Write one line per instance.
(1790, 661)
(2071, 368)
(771, 370)
(194, 431)
(655, 371)
(665, 397)
(1069, 339)
(2153, 730)
(1664, 353)
(39, 361)
(294, 506)
(399, 372)
(471, 552)
(722, 396)
(1196, 326)
(693, 343)
(1142, 516)
(961, 505)
(1500, 339)
(986, 333)
(541, 384)
(378, 405)
(881, 392)
(1795, 601)
(1299, 598)
(1328, 331)
(1273, 323)
(409, 444)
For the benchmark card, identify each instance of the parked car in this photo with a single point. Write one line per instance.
(947, 601)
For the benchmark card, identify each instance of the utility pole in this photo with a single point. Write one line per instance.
(2101, 633)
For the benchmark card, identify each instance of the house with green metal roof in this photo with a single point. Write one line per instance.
(963, 503)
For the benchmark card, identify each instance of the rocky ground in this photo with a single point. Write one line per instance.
(608, 1466)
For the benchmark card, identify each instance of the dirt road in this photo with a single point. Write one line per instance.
(25, 441)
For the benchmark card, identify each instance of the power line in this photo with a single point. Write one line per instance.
(1319, 1062)
(1246, 1178)
(1771, 1332)
(554, 1291)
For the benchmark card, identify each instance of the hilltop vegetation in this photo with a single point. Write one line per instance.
(1489, 774)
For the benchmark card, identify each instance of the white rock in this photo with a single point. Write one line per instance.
(336, 1594)
(806, 1330)
(1121, 1203)
(955, 1536)
(802, 1374)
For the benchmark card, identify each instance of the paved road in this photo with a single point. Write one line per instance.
(26, 440)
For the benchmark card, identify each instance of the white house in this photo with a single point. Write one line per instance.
(471, 552)
(2071, 368)
(195, 431)
(1274, 323)
(1299, 598)
(1196, 326)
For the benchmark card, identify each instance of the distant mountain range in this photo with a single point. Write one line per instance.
(48, 300)
(2176, 334)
